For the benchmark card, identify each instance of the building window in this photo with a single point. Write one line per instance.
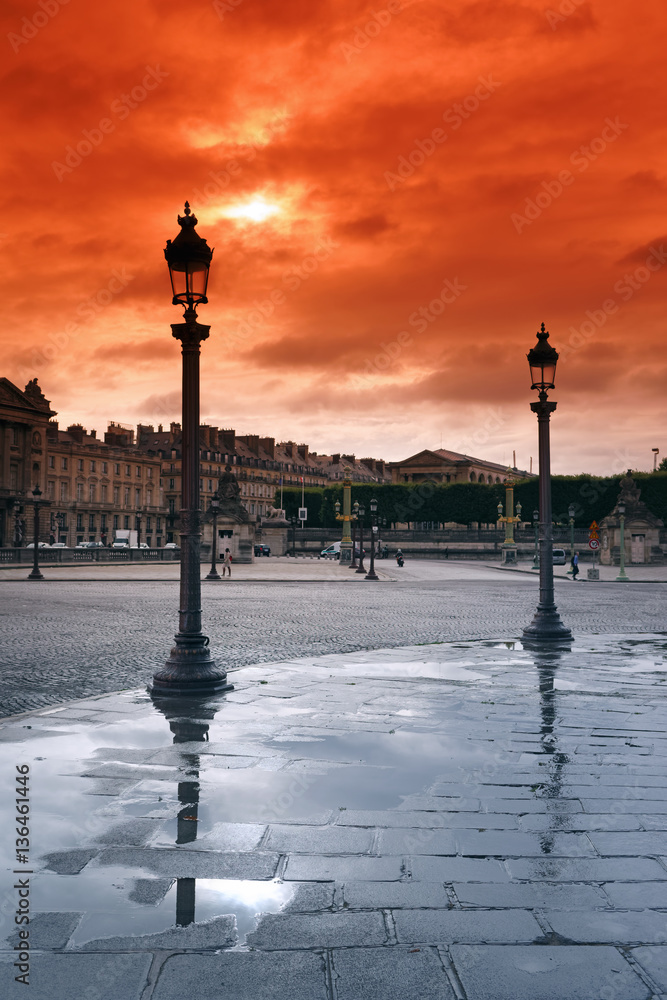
(210, 485)
(52, 461)
(91, 522)
(15, 436)
(172, 485)
(159, 524)
(79, 522)
(92, 466)
(116, 495)
(126, 497)
(116, 469)
(172, 506)
(115, 522)
(79, 491)
(139, 471)
(14, 477)
(63, 491)
(149, 472)
(128, 471)
(252, 508)
(149, 523)
(126, 522)
(103, 522)
(79, 464)
(149, 498)
(104, 468)
(51, 490)
(63, 463)
(104, 491)
(91, 492)
(137, 497)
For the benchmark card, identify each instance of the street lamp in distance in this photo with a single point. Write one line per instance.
(622, 575)
(542, 359)
(571, 511)
(361, 514)
(214, 510)
(37, 503)
(372, 575)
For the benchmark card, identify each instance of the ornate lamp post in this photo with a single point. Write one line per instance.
(571, 511)
(346, 546)
(214, 510)
(37, 504)
(542, 359)
(355, 534)
(190, 669)
(622, 576)
(139, 517)
(509, 547)
(362, 514)
(536, 525)
(372, 575)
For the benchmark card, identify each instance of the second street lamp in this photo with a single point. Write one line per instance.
(546, 624)
(214, 510)
(622, 575)
(361, 514)
(355, 534)
(571, 511)
(190, 669)
(37, 503)
(372, 575)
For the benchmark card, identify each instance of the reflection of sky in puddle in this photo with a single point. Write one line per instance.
(103, 895)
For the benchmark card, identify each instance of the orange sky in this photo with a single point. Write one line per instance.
(492, 164)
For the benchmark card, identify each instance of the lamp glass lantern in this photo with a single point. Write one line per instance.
(189, 258)
(374, 506)
(542, 360)
(621, 509)
(337, 506)
(536, 515)
(362, 510)
(571, 510)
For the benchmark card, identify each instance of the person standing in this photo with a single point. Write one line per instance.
(227, 563)
(574, 563)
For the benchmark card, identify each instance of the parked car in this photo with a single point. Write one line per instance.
(559, 557)
(333, 551)
(59, 545)
(262, 550)
(171, 545)
(40, 545)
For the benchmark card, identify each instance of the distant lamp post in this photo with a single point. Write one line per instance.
(139, 517)
(355, 534)
(190, 669)
(622, 576)
(294, 520)
(214, 510)
(37, 504)
(571, 511)
(656, 452)
(509, 547)
(372, 575)
(361, 514)
(536, 525)
(546, 624)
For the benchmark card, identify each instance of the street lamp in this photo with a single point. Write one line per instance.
(536, 525)
(293, 520)
(622, 576)
(362, 514)
(542, 359)
(571, 511)
(214, 510)
(37, 504)
(355, 534)
(138, 521)
(190, 669)
(372, 575)
(346, 545)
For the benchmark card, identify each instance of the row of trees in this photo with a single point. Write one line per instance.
(464, 503)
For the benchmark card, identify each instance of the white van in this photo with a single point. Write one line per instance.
(333, 551)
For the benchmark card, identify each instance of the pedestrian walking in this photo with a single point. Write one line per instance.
(574, 563)
(227, 563)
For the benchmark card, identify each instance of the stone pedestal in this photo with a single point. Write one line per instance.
(509, 555)
(275, 534)
(238, 538)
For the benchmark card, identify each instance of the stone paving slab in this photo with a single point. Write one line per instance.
(331, 858)
(94, 977)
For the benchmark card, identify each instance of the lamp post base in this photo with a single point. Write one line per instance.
(36, 575)
(190, 670)
(371, 576)
(547, 626)
(213, 575)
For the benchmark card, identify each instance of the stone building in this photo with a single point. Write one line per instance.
(641, 530)
(443, 466)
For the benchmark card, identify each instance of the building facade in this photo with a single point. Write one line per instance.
(444, 466)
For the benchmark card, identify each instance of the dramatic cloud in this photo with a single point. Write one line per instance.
(398, 195)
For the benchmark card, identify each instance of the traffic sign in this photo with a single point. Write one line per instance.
(594, 543)
(303, 513)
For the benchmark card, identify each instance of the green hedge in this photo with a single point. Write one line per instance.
(464, 503)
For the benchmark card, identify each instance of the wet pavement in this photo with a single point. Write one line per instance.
(459, 820)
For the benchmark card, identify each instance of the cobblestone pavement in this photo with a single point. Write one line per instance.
(461, 821)
(67, 640)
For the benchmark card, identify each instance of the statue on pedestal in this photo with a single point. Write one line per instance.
(229, 491)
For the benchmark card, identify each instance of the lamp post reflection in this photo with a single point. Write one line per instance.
(189, 723)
